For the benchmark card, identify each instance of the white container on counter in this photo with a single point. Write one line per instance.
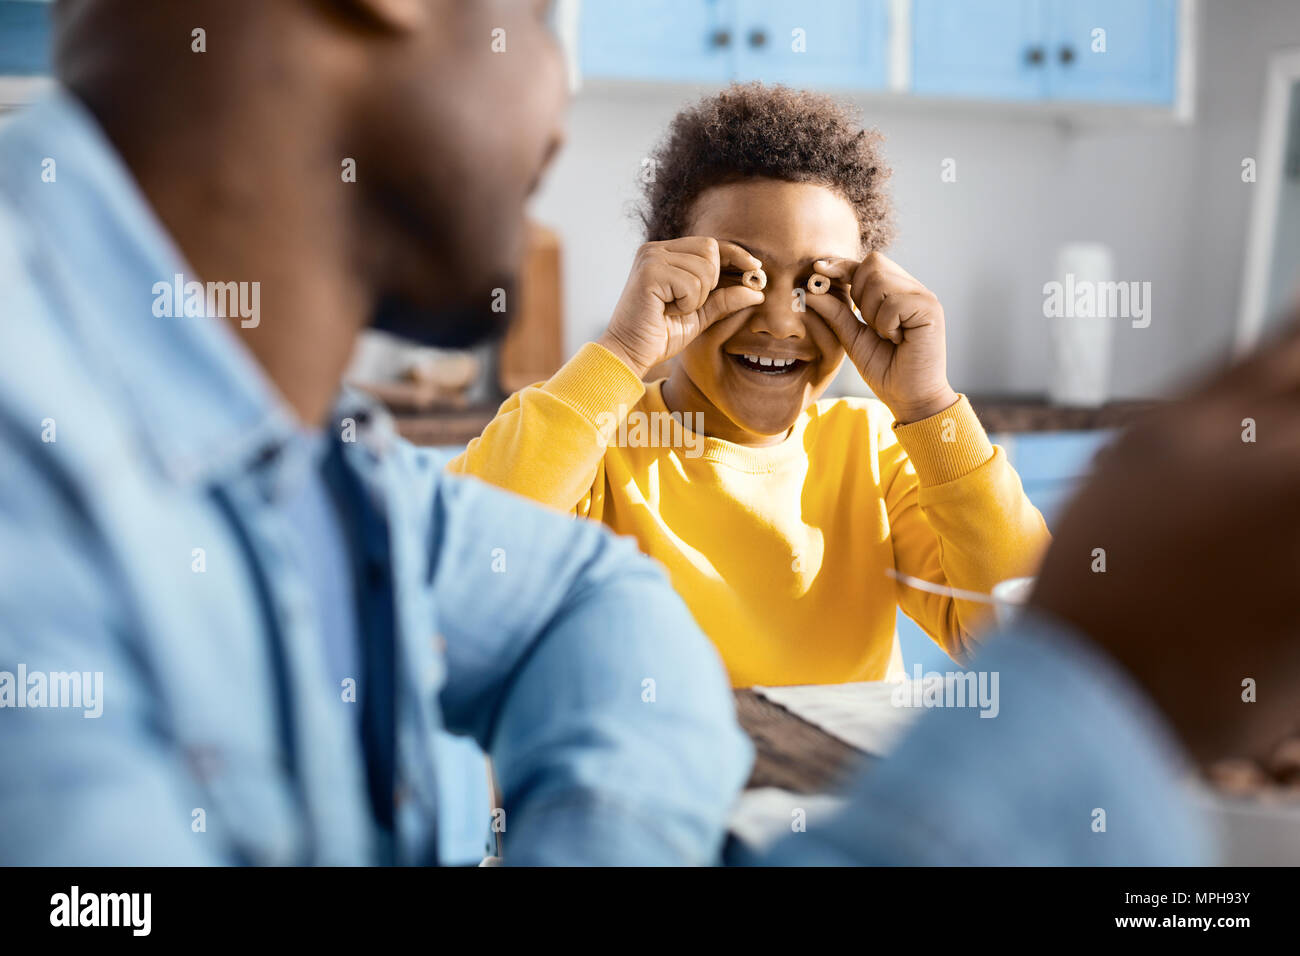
(1081, 344)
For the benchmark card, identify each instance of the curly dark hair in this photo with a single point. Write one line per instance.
(751, 130)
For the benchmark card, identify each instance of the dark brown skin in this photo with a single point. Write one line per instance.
(1202, 538)
(239, 150)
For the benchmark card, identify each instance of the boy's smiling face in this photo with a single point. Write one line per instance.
(789, 226)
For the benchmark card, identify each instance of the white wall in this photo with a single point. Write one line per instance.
(1168, 199)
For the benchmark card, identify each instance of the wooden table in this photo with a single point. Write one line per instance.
(791, 753)
(446, 427)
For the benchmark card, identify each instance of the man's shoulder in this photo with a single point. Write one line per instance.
(477, 529)
(15, 261)
(421, 471)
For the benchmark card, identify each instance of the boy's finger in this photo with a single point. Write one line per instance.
(683, 291)
(862, 344)
(735, 257)
(705, 269)
(855, 272)
(704, 246)
(836, 313)
(868, 283)
(879, 262)
(839, 269)
(897, 313)
(728, 299)
(888, 324)
(873, 289)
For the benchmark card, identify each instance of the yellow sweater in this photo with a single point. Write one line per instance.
(780, 552)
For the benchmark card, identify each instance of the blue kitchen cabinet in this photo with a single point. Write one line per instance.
(24, 37)
(666, 40)
(1044, 50)
(1138, 63)
(823, 43)
(988, 49)
(826, 43)
(1051, 466)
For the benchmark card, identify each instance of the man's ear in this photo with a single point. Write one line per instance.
(399, 16)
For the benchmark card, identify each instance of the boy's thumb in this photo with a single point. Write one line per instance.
(728, 299)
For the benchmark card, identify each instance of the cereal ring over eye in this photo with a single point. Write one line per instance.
(818, 284)
(756, 279)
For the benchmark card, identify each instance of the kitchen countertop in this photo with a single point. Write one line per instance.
(998, 413)
(1004, 413)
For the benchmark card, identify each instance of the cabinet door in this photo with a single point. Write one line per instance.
(1138, 62)
(992, 49)
(683, 40)
(821, 43)
(24, 38)
(1052, 465)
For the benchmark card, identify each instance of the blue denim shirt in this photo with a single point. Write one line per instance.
(143, 537)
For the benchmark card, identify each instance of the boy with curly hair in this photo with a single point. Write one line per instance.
(780, 518)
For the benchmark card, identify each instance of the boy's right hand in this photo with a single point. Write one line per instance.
(673, 294)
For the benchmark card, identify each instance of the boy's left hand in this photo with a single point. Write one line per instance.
(900, 350)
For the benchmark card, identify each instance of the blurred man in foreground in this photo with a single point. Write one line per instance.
(286, 602)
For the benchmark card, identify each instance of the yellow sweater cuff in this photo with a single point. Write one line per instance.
(595, 382)
(946, 445)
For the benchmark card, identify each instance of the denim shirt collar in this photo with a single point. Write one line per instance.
(203, 405)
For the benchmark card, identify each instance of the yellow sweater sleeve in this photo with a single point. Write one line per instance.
(958, 516)
(548, 441)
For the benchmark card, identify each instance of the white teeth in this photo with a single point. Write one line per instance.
(766, 361)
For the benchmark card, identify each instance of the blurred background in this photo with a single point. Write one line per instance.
(1029, 139)
(1139, 147)
(1018, 131)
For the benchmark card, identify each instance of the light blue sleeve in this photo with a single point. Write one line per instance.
(1076, 768)
(78, 790)
(573, 662)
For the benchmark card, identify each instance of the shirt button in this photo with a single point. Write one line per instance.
(205, 761)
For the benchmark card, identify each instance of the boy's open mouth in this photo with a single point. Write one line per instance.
(765, 365)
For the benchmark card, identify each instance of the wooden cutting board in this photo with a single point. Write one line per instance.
(533, 349)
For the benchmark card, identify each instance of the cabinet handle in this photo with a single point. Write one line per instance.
(1067, 55)
(757, 39)
(1034, 56)
(720, 38)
